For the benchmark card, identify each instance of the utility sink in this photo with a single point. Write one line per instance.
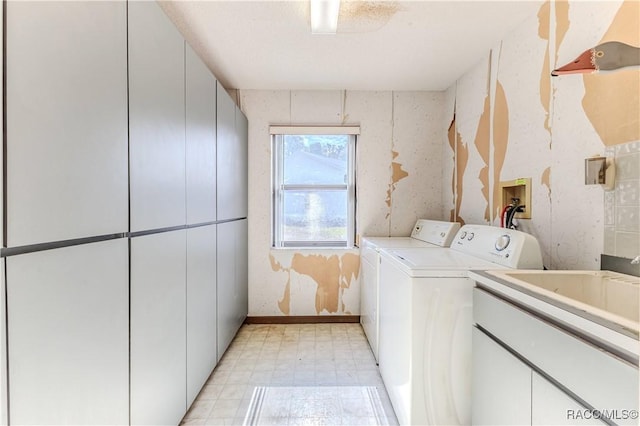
(606, 294)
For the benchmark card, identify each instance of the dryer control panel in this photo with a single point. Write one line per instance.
(435, 232)
(506, 247)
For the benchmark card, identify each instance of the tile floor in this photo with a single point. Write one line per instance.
(295, 374)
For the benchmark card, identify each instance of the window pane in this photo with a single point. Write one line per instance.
(315, 159)
(314, 216)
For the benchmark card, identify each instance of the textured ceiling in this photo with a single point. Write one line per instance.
(380, 45)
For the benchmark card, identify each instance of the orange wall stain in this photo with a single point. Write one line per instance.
(545, 179)
(325, 271)
(397, 174)
(562, 24)
(462, 158)
(500, 142)
(612, 101)
(285, 303)
(545, 74)
(451, 135)
(331, 274)
(483, 146)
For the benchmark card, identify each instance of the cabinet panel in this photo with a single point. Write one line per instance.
(69, 335)
(232, 281)
(501, 385)
(242, 270)
(4, 407)
(231, 160)
(564, 357)
(201, 308)
(200, 140)
(66, 120)
(157, 119)
(227, 298)
(158, 328)
(551, 406)
(242, 133)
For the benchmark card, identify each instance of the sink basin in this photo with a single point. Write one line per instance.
(606, 294)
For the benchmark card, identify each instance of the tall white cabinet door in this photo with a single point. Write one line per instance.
(232, 281)
(158, 328)
(4, 402)
(66, 111)
(201, 308)
(242, 134)
(200, 140)
(157, 119)
(242, 270)
(227, 292)
(69, 335)
(229, 159)
(501, 385)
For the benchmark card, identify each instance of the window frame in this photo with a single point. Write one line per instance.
(278, 188)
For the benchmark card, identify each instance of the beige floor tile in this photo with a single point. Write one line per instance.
(225, 408)
(200, 409)
(233, 392)
(313, 373)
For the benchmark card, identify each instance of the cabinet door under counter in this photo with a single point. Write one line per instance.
(528, 369)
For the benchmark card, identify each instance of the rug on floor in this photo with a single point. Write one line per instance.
(272, 405)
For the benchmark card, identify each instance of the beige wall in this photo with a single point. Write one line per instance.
(399, 179)
(513, 120)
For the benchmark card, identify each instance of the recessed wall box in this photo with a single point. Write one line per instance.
(520, 189)
(599, 171)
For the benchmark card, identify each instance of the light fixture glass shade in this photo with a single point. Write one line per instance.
(324, 16)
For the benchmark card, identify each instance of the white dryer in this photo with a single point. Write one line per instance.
(426, 319)
(426, 234)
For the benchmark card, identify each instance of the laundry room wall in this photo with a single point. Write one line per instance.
(399, 180)
(508, 118)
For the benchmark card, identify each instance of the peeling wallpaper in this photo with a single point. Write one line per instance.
(442, 156)
(544, 128)
(399, 179)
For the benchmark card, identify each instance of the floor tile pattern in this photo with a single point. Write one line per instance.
(295, 374)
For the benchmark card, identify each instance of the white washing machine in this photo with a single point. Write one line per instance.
(426, 234)
(426, 320)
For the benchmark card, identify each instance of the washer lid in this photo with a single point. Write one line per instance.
(397, 242)
(419, 262)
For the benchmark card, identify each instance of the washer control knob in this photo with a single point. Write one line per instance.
(463, 235)
(471, 235)
(442, 234)
(503, 242)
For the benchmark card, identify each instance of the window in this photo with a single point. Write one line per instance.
(313, 186)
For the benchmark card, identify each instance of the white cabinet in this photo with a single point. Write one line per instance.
(158, 328)
(4, 400)
(242, 268)
(200, 140)
(231, 158)
(562, 385)
(157, 119)
(551, 406)
(242, 185)
(66, 120)
(501, 385)
(506, 391)
(232, 281)
(201, 307)
(68, 333)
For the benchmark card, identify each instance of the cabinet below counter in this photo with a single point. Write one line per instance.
(531, 369)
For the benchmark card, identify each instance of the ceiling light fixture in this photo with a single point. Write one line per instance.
(324, 16)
